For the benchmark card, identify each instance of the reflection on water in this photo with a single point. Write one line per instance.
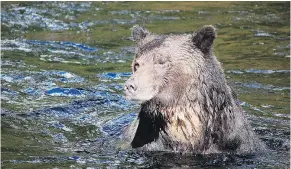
(63, 65)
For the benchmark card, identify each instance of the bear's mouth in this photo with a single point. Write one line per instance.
(131, 96)
(138, 96)
(128, 95)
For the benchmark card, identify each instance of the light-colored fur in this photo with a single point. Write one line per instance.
(187, 106)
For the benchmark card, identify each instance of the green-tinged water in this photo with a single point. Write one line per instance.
(63, 65)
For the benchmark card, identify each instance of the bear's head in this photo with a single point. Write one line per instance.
(166, 66)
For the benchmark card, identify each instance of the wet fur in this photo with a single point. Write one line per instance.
(191, 107)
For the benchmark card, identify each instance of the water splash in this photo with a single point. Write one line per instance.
(67, 92)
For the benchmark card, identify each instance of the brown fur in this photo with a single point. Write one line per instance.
(186, 104)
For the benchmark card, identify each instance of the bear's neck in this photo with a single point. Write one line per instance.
(185, 122)
(178, 123)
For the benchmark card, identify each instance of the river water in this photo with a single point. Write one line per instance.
(63, 66)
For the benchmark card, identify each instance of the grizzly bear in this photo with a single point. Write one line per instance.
(186, 103)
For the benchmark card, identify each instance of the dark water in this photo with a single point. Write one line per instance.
(63, 65)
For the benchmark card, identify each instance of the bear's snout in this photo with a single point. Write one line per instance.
(130, 86)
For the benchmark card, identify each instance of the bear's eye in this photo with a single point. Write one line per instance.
(161, 61)
(135, 66)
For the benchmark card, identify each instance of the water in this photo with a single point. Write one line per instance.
(63, 66)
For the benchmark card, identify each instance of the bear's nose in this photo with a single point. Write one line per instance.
(130, 86)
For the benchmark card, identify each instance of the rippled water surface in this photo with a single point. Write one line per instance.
(63, 65)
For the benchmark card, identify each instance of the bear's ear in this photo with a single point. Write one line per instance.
(204, 38)
(138, 33)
